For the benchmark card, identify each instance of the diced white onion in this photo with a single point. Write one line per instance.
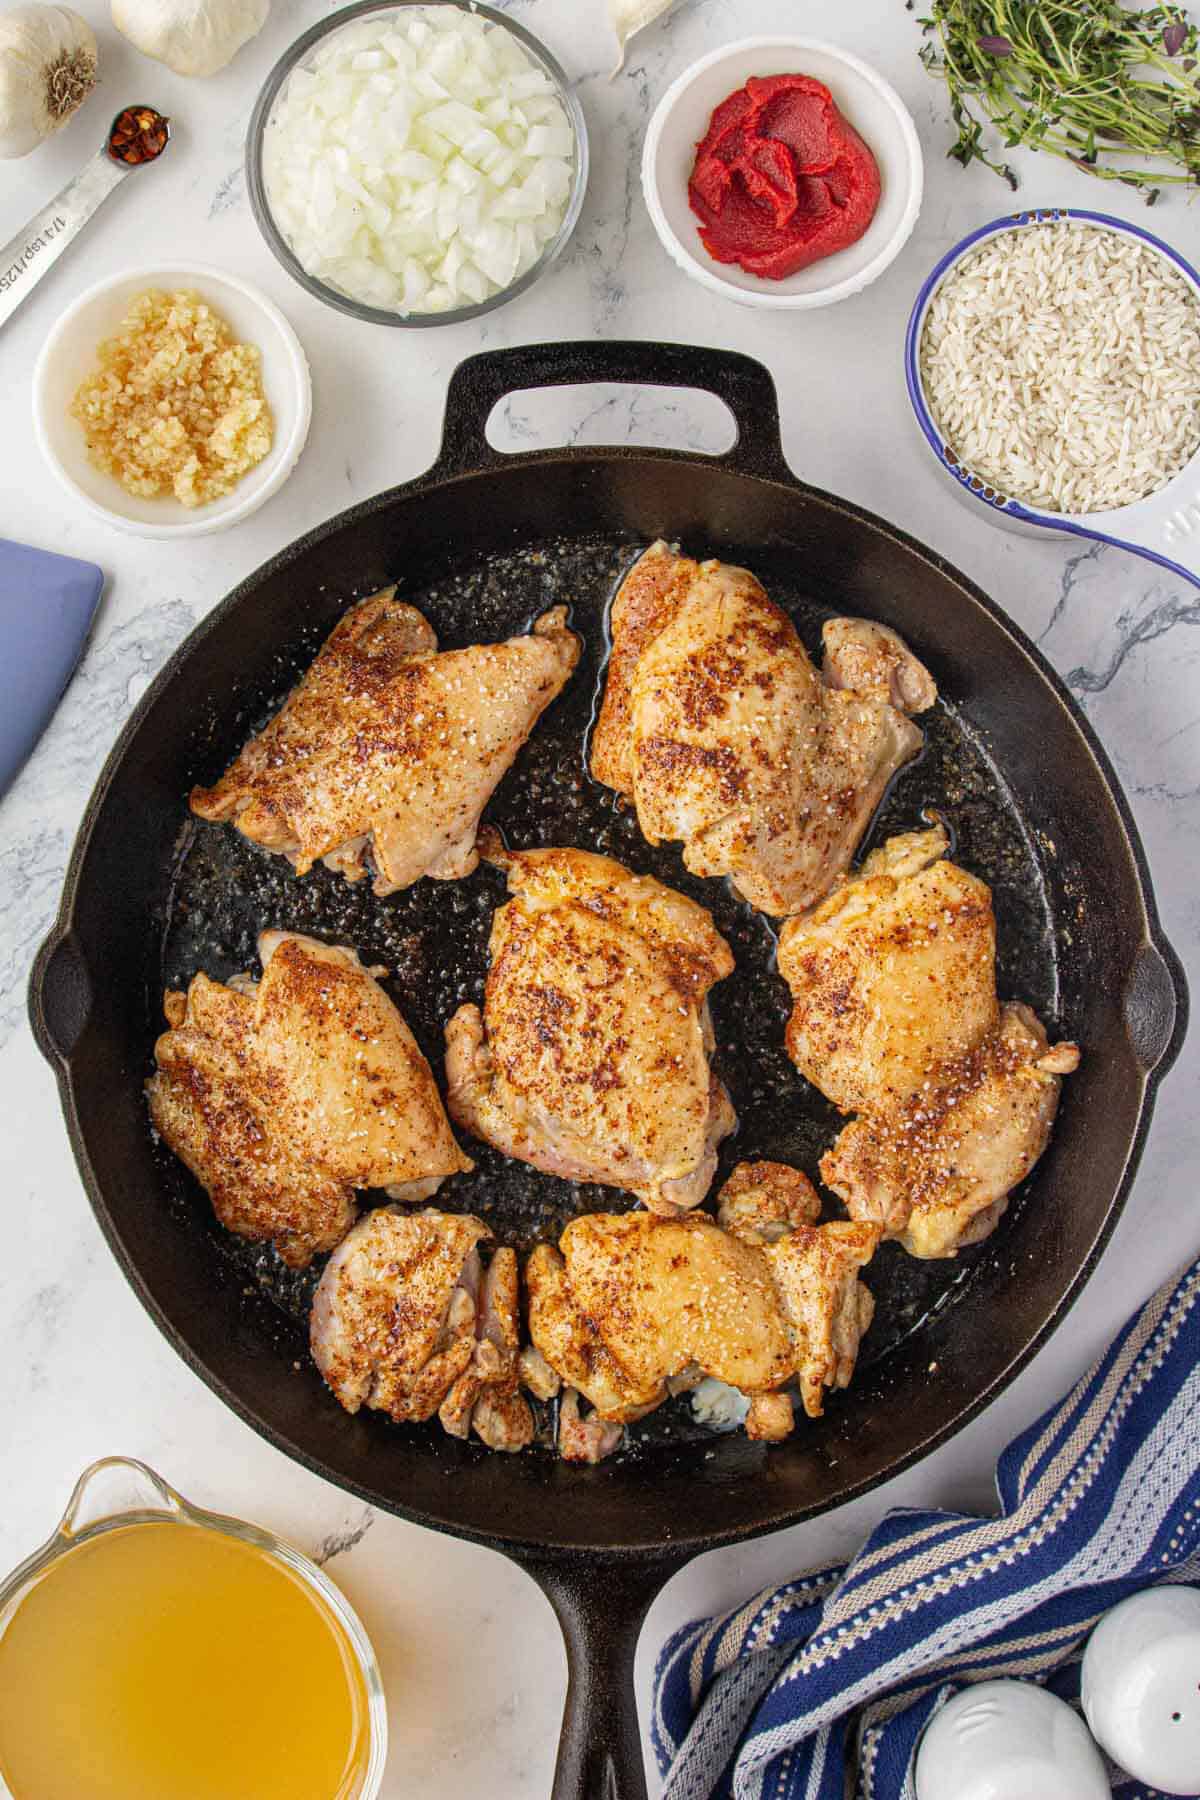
(420, 162)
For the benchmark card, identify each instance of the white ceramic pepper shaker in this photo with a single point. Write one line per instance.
(1008, 1740)
(1141, 1687)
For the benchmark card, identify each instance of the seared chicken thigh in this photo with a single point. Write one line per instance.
(895, 1017)
(389, 748)
(403, 1320)
(893, 973)
(937, 1170)
(590, 1059)
(718, 727)
(283, 1096)
(632, 1307)
(487, 1395)
(633, 1300)
(815, 1272)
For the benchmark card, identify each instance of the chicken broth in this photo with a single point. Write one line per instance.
(161, 1661)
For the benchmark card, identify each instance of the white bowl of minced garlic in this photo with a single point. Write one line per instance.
(172, 401)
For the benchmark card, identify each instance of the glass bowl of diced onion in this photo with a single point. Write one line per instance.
(416, 162)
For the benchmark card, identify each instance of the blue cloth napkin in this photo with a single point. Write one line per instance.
(820, 1689)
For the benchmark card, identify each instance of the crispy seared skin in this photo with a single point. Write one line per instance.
(896, 1017)
(633, 1306)
(487, 1395)
(590, 1059)
(718, 727)
(763, 1200)
(388, 747)
(815, 1272)
(393, 1317)
(284, 1096)
(937, 1170)
(891, 975)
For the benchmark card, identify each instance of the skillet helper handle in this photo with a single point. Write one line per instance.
(600, 1607)
(745, 386)
(1155, 1006)
(60, 996)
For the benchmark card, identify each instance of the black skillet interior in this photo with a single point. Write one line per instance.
(483, 543)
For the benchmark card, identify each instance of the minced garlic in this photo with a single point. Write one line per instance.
(176, 405)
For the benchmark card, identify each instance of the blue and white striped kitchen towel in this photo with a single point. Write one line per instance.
(819, 1690)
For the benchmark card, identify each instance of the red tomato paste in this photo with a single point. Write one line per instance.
(781, 179)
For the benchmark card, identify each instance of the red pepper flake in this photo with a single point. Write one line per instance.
(138, 135)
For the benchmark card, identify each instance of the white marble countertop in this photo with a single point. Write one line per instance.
(472, 1659)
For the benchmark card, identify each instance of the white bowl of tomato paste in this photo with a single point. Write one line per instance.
(782, 172)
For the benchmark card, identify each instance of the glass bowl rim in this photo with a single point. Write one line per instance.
(345, 303)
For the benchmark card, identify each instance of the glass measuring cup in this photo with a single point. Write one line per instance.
(119, 1493)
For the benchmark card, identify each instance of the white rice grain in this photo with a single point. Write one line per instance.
(1061, 363)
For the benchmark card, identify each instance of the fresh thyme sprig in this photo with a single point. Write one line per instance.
(1090, 80)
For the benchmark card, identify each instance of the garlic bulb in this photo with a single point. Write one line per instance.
(47, 70)
(628, 16)
(193, 37)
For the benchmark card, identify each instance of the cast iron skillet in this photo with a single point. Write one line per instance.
(483, 542)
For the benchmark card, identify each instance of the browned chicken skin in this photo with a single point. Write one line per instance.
(896, 1017)
(718, 727)
(389, 747)
(283, 1096)
(814, 1269)
(936, 1172)
(632, 1307)
(486, 1398)
(893, 973)
(590, 1059)
(403, 1320)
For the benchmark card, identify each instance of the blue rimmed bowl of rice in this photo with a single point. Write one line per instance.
(1053, 364)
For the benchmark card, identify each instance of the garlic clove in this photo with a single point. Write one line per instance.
(47, 71)
(192, 37)
(631, 16)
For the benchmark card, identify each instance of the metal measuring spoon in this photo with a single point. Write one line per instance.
(138, 135)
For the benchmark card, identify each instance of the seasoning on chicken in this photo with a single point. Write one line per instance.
(389, 749)
(718, 727)
(936, 1171)
(896, 1017)
(633, 1307)
(893, 973)
(591, 1057)
(284, 1095)
(403, 1320)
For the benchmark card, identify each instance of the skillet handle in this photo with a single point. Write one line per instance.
(600, 1607)
(744, 385)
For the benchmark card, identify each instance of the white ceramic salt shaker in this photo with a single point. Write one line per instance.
(1008, 1740)
(1141, 1687)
